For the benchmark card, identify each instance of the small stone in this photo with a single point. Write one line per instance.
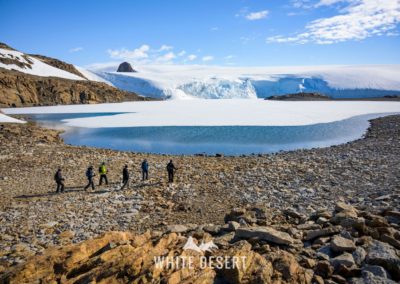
(212, 229)
(390, 240)
(233, 226)
(345, 259)
(341, 206)
(177, 228)
(323, 269)
(359, 255)
(322, 232)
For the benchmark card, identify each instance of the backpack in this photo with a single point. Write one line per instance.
(100, 170)
(88, 175)
(56, 176)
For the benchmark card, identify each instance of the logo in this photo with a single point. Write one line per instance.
(202, 261)
(209, 246)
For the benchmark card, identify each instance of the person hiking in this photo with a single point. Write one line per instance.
(171, 170)
(90, 175)
(145, 170)
(125, 177)
(59, 180)
(103, 173)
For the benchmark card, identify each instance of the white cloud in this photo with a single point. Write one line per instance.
(257, 15)
(168, 57)
(125, 54)
(207, 58)
(358, 20)
(214, 29)
(229, 57)
(327, 2)
(191, 57)
(165, 47)
(76, 49)
(182, 53)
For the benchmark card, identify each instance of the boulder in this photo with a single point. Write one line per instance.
(340, 244)
(376, 270)
(369, 278)
(383, 254)
(266, 234)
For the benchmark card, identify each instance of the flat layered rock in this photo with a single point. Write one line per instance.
(265, 233)
(322, 232)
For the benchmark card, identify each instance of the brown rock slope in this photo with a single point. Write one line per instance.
(19, 89)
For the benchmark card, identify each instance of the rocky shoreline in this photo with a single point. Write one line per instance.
(291, 192)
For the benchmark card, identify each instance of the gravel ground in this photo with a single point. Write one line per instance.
(32, 217)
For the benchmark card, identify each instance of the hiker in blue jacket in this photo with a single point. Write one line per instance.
(90, 176)
(145, 170)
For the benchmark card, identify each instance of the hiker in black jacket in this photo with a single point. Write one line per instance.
(90, 175)
(125, 177)
(59, 180)
(171, 170)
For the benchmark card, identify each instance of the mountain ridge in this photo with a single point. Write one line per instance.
(33, 80)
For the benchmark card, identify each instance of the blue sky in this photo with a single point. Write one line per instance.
(223, 32)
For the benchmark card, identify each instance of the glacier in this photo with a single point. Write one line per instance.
(218, 82)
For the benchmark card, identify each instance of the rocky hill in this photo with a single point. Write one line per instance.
(32, 80)
(19, 89)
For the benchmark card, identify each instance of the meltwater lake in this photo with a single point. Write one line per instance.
(189, 140)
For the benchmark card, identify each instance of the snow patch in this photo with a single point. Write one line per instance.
(92, 76)
(234, 112)
(7, 119)
(37, 67)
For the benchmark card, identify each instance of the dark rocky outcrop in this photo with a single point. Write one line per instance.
(301, 97)
(125, 67)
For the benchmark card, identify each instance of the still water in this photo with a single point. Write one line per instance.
(228, 140)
